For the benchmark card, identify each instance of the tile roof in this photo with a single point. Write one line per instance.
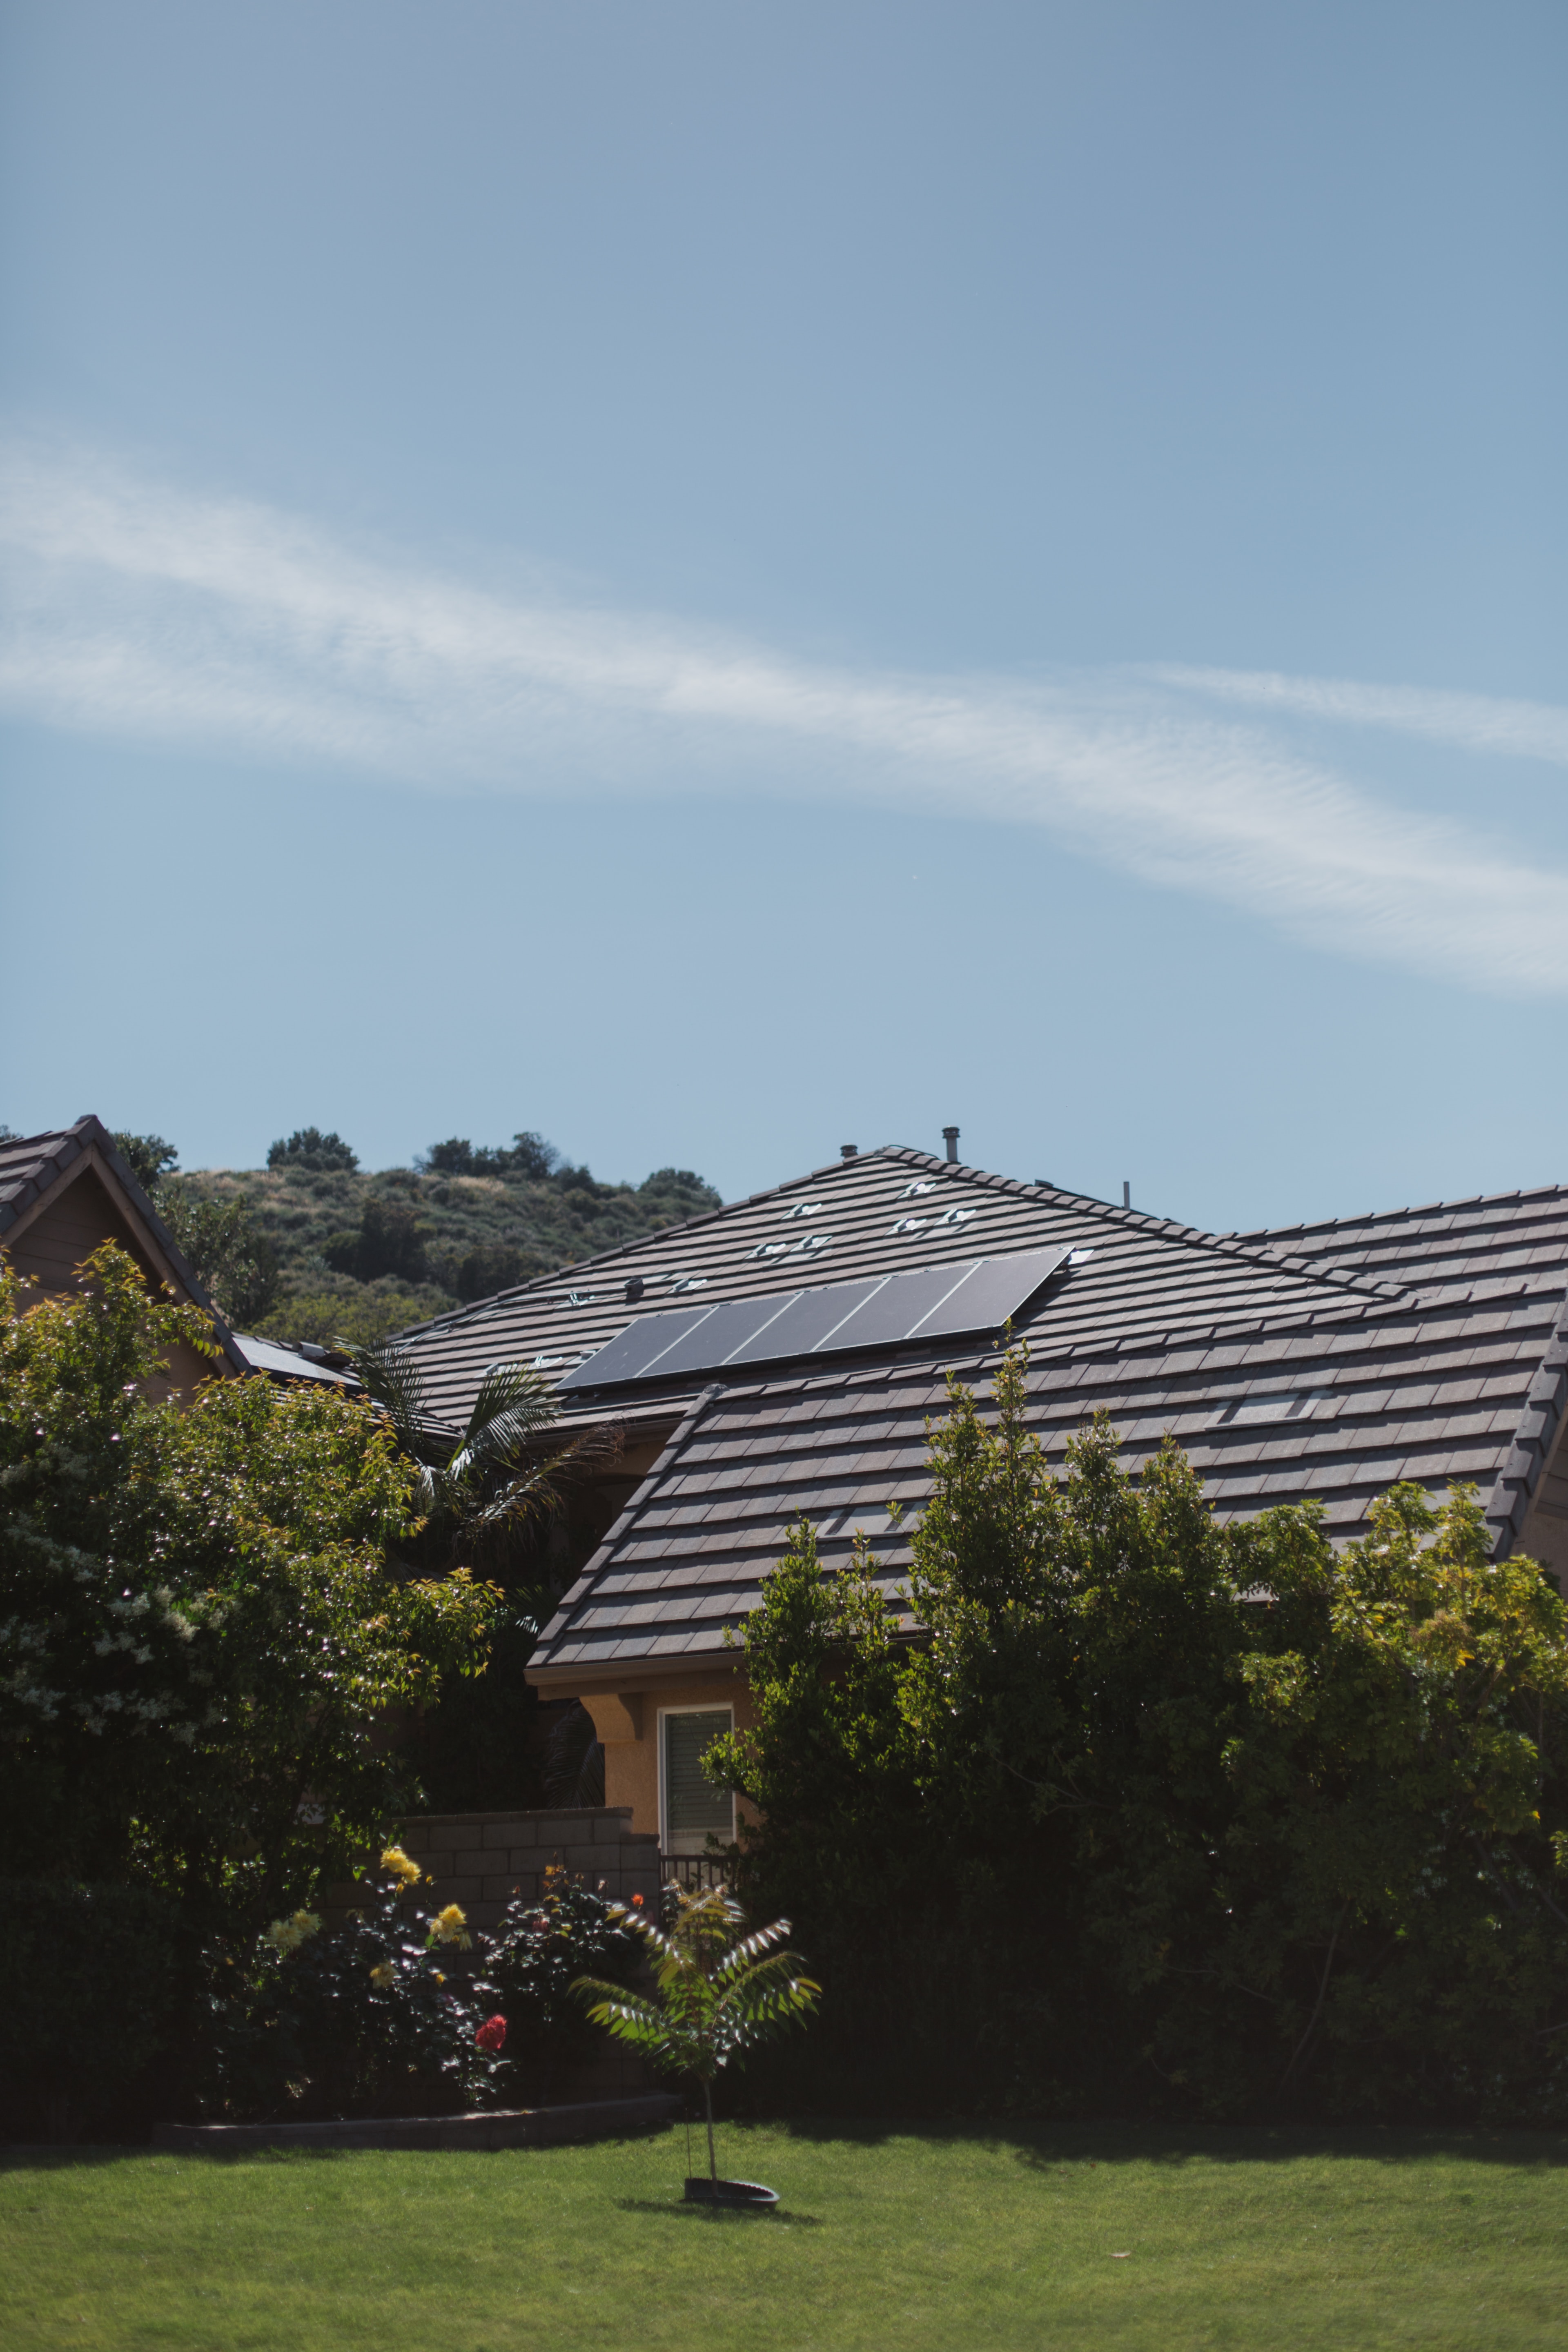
(33, 1165)
(884, 1212)
(1404, 1391)
(1328, 1361)
(1448, 1246)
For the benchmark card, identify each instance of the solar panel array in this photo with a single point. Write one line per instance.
(934, 1302)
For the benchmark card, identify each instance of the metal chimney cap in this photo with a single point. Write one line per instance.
(949, 1137)
(848, 1151)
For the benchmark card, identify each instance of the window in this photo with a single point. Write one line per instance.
(691, 1809)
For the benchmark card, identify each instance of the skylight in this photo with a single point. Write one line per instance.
(1279, 1404)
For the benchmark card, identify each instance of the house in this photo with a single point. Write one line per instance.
(65, 1193)
(782, 1355)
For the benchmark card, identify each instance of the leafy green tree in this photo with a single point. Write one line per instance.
(718, 1992)
(309, 1149)
(151, 1157)
(235, 1263)
(200, 1643)
(232, 1259)
(1223, 1818)
(529, 1157)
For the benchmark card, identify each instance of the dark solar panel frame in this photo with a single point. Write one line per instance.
(967, 1295)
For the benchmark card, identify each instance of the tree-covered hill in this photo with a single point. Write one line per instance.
(314, 1248)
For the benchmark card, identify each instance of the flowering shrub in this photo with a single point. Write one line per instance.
(360, 2019)
(198, 1627)
(536, 1954)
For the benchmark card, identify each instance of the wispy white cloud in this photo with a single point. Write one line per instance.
(140, 610)
(1471, 722)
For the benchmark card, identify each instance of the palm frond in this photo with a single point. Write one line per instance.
(390, 1378)
(513, 1406)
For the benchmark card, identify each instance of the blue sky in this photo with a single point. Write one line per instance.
(718, 581)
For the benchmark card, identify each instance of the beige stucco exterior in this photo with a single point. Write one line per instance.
(626, 1720)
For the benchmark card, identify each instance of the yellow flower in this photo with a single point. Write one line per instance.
(287, 1934)
(439, 1977)
(403, 1868)
(448, 1927)
(382, 1973)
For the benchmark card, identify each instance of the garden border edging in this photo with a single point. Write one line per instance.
(493, 2127)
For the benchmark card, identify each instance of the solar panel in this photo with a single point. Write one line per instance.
(807, 1322)
(721, 1329)
(625, 1357)
(933, 1302)
(896, 1306)
(994, 1289)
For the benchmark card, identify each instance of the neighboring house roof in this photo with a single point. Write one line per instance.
(302, 1363)
(1328, 1361)
(65, 1192)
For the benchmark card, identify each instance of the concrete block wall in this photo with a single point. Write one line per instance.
(482, 1861)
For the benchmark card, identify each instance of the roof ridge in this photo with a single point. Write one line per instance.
(1228, 1245)
(1413, 1209)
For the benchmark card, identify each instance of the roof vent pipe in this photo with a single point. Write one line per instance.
(949, 1137)
(847, 1151)
(1126, 1192)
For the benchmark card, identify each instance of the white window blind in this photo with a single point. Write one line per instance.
(693, 1808)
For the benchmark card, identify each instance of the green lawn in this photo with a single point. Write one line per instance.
(895, 2236)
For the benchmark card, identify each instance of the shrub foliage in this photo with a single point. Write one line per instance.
(1164, 1813)
(199, 1638)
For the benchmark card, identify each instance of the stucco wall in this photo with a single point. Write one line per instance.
(628, 1723)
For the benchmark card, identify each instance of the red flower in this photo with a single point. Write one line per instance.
(492, 2033)
(637, 1902)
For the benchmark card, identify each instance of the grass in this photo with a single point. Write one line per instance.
(926, 2238)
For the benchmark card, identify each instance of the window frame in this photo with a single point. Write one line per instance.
(697, 1706)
